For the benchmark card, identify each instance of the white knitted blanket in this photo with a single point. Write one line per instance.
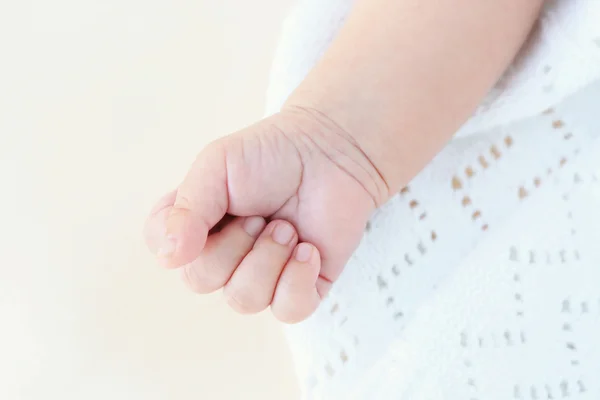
(481, 279)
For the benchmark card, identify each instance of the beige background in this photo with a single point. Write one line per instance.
(103, 105)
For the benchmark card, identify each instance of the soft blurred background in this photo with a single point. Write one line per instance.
(103, 106)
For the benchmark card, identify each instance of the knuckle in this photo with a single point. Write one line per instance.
(288, 316)
(243, 301)
(291, 285)
(182, 204)
(199, 281)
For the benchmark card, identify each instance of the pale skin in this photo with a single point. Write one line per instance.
(272, 213)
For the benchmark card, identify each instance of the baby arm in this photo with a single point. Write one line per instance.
(403, 75)
(291, 194)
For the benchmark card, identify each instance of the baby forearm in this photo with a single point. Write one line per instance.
(403, 75)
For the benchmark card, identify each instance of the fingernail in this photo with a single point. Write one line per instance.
(254, 226)
(283, 233)
(304, 252)
(167, 247)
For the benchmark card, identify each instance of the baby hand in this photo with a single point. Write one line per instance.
(271, 214)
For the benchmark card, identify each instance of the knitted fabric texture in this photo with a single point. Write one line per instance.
(481, 278)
